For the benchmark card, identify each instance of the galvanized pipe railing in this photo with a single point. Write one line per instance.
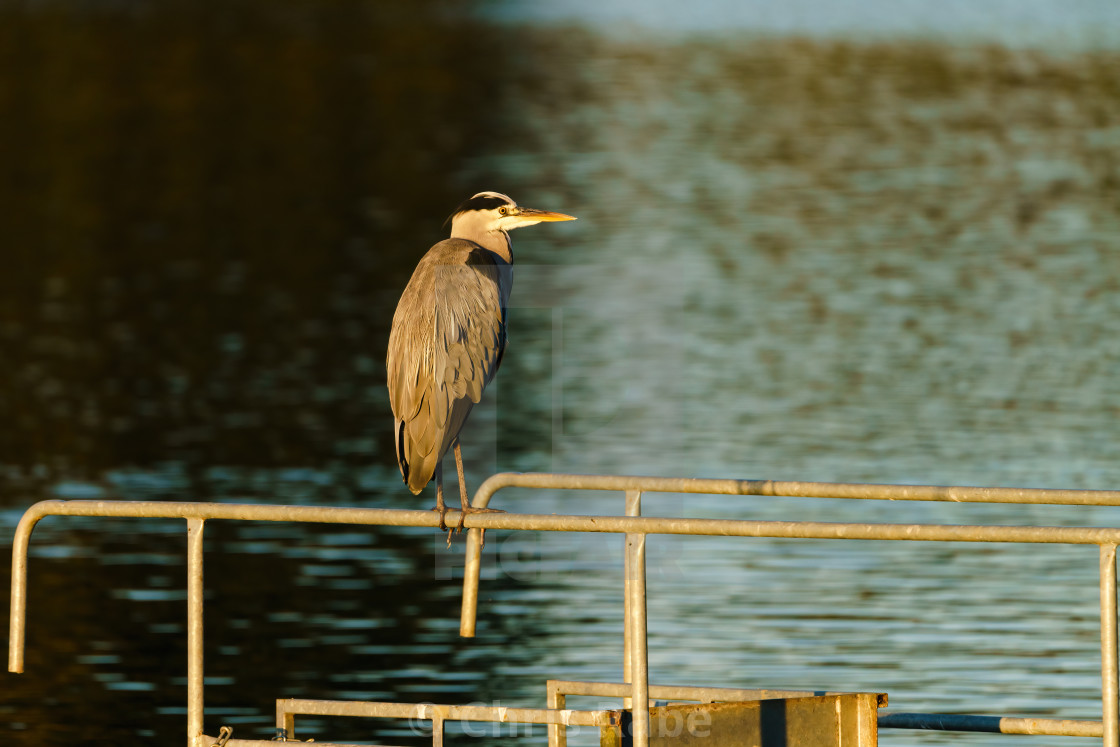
(635, 485)
(429, 712)
(793, 489)
(176, 510)
(772, 488)
(992, 724)
(636, 652)
(638, 526)
(559, 690)
(196, 514)
(195, 597)
(1109, 678)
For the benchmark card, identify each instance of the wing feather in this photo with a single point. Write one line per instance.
(447, 339)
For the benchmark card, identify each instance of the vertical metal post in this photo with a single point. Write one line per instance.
(627, 574)
(18, 619)
(637, 660)
(285, 722)
(437, 729)
(1109, 668)
(471, 569)
(557, 733)
(194, 630)
(633, 507)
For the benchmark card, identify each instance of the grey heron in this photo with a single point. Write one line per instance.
(448, 337)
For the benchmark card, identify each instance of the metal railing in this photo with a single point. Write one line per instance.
(558, 690)
(435, 715)
(636, 666)
(636, 528)
(556, 717)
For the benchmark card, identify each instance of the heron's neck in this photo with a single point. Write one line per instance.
(496, 241)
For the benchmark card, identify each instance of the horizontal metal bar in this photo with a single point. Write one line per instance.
(632, 483)
(572, 523)
(797, 529)
(556, 523)
(564, 523)
(686, 692)
(232, 511)
(792, 489)
(425, 712)
(1000, 724)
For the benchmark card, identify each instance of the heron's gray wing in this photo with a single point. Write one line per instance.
(471, 330)
(446, 342)
(408, 370)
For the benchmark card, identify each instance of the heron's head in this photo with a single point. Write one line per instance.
(492, 212)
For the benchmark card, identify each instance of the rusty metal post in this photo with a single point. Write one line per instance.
(194, 631)
(637, 659)
(1110, 719)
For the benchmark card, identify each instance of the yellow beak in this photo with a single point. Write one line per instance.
(542, 215)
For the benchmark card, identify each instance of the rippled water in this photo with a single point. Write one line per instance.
(820, 260)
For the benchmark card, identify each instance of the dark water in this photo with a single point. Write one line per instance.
(796, 259)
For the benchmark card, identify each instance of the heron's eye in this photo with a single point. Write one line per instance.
(502, 211)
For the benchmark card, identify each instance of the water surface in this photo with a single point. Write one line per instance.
(797, 258)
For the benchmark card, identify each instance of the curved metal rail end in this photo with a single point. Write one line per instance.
(17, 625)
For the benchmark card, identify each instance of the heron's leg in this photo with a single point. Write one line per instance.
(462, 486)
(467, 508)
(440, 506)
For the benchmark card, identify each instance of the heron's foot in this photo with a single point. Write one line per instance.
(442, 517)
(472, 510)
